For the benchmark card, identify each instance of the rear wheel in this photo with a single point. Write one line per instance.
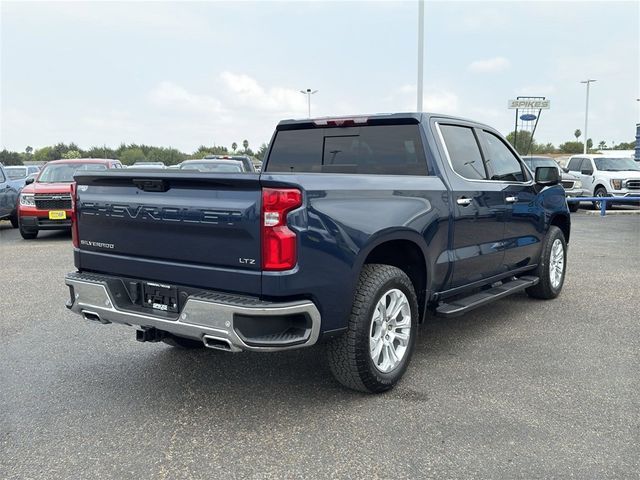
(552, 266)
(375, 351)
(183, 343)
(574, 206)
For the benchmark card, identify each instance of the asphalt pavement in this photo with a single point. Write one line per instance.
(519, 389)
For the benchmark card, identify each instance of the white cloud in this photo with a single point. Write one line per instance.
(168, 94)
(434, 99)
(536, 90)
(489, 65)
(248, 92)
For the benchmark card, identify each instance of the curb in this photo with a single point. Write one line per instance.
(612, 212)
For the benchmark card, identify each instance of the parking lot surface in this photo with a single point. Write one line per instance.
(519, 389)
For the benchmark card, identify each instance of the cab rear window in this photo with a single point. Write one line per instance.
(375, 149)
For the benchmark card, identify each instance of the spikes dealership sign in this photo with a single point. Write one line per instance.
(526, 103)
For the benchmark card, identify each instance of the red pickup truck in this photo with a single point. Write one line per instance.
(45, 204)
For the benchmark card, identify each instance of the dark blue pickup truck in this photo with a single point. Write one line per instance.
(356, 230)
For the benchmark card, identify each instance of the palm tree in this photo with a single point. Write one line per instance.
(234, 146)
(245, 144)
(29, 149)
(577, 134)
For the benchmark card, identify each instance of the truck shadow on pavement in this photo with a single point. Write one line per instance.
(252, 379)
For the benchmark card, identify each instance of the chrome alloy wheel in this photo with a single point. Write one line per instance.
(556, 263)
(599, 194)
(390, 330)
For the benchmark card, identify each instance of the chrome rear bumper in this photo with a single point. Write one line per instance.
(210, 317)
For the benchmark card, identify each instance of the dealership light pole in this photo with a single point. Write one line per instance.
(308, 92)
(420, 51)
(586, 115)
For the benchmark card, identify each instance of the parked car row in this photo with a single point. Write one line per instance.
(35, 199)
(45, 203)
(571, 183)
(606, 176)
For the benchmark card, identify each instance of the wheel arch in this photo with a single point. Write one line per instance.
(599, 185)
(403, 250)
(563, 222)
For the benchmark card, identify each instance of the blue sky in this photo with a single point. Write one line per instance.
(184, 74)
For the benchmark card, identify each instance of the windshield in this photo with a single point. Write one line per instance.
(534, 163)
(16, 173)
(617, 164)
(64, 172)
(212, 167)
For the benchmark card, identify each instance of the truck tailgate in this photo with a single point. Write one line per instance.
(199, 229)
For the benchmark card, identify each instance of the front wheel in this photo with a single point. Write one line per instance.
(28, 234)
(600, 192)
(552, 266)
(14, 221)
(375, 351)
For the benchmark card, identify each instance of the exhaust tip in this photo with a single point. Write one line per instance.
(94, 317)
(218, 343)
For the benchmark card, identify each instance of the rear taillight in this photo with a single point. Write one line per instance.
(74, 216)
(279, 245)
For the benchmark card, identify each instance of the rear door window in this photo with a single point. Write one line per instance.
(464, 152)
(503, 164)
(375, 149)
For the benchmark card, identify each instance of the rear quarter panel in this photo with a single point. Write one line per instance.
(342, 219)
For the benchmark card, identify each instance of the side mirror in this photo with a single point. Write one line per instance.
(565, 169)
(547, 176)
(29, 181)
(586, 172)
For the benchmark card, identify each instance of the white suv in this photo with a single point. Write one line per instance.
(606, 176)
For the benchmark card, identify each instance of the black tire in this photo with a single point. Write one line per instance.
(28, 234)
(183, 343)
(545, 289)
(348, 355)
(14, 221)
(574, 206)
(600, 192)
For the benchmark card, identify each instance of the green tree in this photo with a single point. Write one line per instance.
(71, 154)
(245, 144)
(234, 147)
(589, 144)
(203, 151)
(602, 145)
(130, 155)
(577, 133)
(10, 158)
(101, 152)
(571, 147)
(28, 150)
(261, 152)
(525, 144)
(42, 154)
(626, 145)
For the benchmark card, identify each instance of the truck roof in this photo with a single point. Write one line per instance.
(375, 119)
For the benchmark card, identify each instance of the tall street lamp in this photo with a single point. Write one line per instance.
(586, 115)
(420, 51)
(308, 92)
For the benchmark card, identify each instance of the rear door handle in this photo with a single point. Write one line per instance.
(511, 199)
(463, 201)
